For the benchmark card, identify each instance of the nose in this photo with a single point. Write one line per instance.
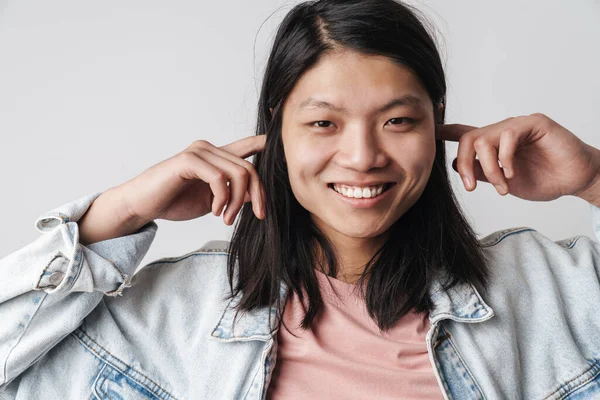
(361, 149)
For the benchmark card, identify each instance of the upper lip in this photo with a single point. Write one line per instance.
(361, 184)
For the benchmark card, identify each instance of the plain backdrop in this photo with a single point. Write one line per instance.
(94, 92)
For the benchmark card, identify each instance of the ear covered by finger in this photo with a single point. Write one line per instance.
(479, 174)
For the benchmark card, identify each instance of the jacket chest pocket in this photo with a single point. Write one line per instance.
(585, 386)
(113, 384)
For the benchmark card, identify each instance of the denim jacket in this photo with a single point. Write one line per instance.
(75, 323)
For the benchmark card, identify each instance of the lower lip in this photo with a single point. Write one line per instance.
(364, 202)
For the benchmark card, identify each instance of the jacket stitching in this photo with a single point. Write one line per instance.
(111, 364)
(84, 337)
(221, 319)
(54, 257)
(174, 260)
(5, 367)
(441, 338)
(462, 361)
(119, 291)
(500, 236)
(442, 378)
(76, 259)
(264, 367)
(108, 363)
(103, 381)
(251, 388)
(77, 256)
(98, 378)
(573, 242)
(564, 386)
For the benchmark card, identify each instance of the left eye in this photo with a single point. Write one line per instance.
(400, 121)
(322, 124)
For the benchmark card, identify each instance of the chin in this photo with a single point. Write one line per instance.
(352, 226)
(362, 231)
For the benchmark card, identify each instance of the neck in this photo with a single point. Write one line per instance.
(352, 254)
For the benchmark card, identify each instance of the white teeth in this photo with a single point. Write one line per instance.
(358, 192)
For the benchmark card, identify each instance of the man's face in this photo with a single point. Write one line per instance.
(359, 139)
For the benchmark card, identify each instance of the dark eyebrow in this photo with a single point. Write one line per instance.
(406, 100)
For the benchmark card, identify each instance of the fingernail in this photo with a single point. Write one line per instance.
(501, 189)
(467, 182)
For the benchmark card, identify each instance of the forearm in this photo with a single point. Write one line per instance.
(592, 193)
(107, 218)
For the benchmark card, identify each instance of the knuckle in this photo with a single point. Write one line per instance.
(242, 172)
(543, 120)
(465, 139)
(539, 116)
(220, 177)
(248, 166)
(200, 144)
(509, 133)
(481, 142)
(187, 157)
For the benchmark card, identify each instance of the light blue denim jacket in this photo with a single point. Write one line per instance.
(74, 324)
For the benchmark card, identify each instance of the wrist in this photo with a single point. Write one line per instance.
(126, 214)
(108, 217)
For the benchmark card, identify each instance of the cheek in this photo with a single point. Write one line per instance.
(415, 156)
(304, 163)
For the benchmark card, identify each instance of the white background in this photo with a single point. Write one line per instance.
(93, 93)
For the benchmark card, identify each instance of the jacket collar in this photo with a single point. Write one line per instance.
(462, 303)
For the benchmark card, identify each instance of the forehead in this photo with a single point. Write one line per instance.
(356, 81)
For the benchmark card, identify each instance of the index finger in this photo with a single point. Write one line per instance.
(452, 132)
(247, 146)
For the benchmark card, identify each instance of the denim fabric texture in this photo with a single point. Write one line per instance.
(75, 323)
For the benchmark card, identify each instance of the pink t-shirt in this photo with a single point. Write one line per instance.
(345, 356)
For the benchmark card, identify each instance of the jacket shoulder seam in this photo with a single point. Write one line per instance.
(496, 237)
(175, 260)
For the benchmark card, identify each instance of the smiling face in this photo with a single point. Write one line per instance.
(358, 133)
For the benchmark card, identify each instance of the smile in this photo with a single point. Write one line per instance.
(356, 192)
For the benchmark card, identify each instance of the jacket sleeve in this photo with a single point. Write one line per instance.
(48, 287)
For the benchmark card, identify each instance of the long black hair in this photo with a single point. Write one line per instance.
(432, 236)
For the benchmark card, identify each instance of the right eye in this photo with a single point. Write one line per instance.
(322, 124)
